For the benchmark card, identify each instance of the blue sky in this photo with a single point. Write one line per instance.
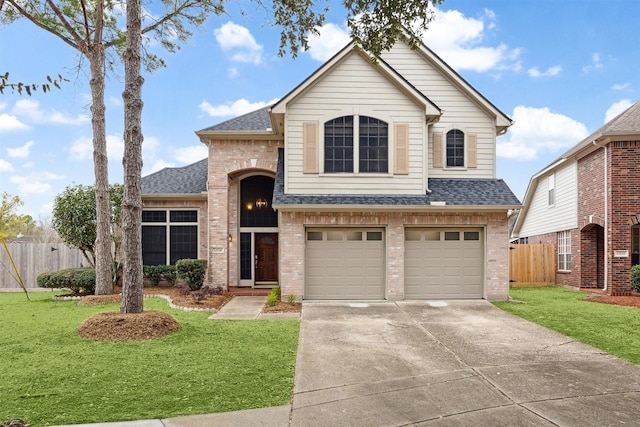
(558, 68)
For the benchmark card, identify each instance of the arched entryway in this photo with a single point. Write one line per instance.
(592, 256)
(258, 232)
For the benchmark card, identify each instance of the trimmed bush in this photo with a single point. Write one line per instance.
(274, 297)
(634, 276)
(159, 273)
(192, 271)
(79, 280)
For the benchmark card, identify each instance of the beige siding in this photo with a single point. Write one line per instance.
(354, 87)
(459, 111)
(542, 218)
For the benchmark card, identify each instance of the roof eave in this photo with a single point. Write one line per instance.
(176, 196)
(391, 208)
(207, 136)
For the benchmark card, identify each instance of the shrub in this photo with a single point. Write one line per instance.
(292, 299)
(158, 273)
(634, 276)
(192, 271)
(274, 297)
(184, 290)
(77, 279)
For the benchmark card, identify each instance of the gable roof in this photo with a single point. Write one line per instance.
(624, 126)
(432, 111)
(255, 121)
(186, 180)
(445, 193)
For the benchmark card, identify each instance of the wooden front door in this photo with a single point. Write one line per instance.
(266, 253)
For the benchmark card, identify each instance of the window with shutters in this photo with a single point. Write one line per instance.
(455, 148)
(369, 155)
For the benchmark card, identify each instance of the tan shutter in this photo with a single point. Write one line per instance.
(472, 150)
(310, 147)
(437, 150)
(401, 149)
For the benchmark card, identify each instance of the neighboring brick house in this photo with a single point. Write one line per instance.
(369, 180)
(587, 203)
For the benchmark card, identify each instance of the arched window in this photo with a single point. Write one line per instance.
(371, 154)
(455, 148)
(374, 145)
(338, 145)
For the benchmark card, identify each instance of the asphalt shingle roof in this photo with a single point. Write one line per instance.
(452, 191)
(254, 121)
(190, 179)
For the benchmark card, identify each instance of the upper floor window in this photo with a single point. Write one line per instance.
(551, 189)
(338, 145)
(374, 145)
(371, 152)
(455, 148)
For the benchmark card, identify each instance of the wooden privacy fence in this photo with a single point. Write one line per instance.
(532, 265)
(33, 259)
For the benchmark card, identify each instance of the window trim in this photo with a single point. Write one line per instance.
(564, 251)
(356, 146)
(168, 224)
(446, 149)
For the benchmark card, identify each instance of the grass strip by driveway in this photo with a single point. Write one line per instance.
(611, 328)
(50, 376)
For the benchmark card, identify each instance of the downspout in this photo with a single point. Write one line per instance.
(606, 219)
(606, 214)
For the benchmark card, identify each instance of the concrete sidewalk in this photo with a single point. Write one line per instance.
(249, 308)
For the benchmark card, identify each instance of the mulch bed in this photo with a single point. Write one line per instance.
(628, 301)
(116, 326)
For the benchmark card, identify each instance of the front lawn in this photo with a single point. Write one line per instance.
(50, 376)
(610, 328)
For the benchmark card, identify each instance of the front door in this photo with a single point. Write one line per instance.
(266, 254)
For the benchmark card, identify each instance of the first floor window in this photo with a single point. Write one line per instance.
(635, 245)
(169, 236)
(564, 251)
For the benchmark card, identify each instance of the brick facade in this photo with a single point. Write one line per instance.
(608, 203)
(230, 161)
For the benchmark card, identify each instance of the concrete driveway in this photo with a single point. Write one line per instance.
(463, 364)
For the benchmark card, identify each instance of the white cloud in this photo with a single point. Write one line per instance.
(621, 86)
(550, 72)
(158, 165)
(539, 130)
(233, 109)
(236, 38)
(10, 123)
(233, 72)
(82, 148)
(617, 108)
(332, 38)
(6, 166)
(20, 152)
(458, 40)
(31, 111)
(191, 154)
(596, 64)
(34, 183)
(3, 106)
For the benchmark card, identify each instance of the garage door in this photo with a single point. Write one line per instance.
(443, 263)
(344, 264)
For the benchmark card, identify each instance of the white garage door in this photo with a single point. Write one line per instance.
(443, 263)
(344, 264)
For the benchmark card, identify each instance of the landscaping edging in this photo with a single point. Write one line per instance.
(164, 297)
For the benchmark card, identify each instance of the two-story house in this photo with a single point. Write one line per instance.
(370, 180)
(587, 203)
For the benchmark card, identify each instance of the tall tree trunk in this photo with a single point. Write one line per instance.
(104, 284)
(132, 297)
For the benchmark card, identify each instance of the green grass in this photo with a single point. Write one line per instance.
(613, 329)
(50, 376)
